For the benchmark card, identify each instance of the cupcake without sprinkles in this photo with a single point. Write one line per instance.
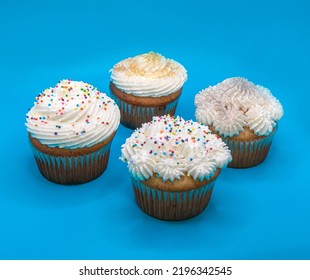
(71, 128)
(245, 116)
(146, 85)
(173, 166)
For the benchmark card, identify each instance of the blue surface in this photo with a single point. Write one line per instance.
(257, 213)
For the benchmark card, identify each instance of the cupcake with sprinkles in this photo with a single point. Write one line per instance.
(71, 127)
(173, 166)
(146, 85)
(245, 115)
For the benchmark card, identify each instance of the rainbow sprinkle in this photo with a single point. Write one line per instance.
(66, 97)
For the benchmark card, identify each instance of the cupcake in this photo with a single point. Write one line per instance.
(245, 116)
(173, 165)
(146, 85)
(71, 128)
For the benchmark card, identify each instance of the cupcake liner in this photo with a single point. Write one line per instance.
(72, 169)
(172, 205)
(249, 153)
(133, 116)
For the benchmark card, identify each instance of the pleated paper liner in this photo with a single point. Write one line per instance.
(71, 166)
(133, 116)
(137, 110)
(249, 153)
(173, 205)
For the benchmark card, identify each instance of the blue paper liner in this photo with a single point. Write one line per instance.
(134, 116)
(172, 205)
(72, 169)
(249, 153)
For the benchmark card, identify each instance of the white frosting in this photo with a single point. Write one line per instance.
(149, 75)
(235, 103)
(72, 115)
(171, 147)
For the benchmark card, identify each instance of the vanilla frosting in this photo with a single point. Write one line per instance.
(149, 75)
(235, 103)
(171, 147)
(72, 115)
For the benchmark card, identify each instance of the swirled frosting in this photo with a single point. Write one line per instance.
(149, 75)
(235, 103)
(171, 147)
(72, 115)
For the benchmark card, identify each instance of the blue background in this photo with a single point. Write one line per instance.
(256, 213)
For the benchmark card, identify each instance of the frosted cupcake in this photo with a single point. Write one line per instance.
(173, 165)
(146, 85)
(71, 128)
(245, 116)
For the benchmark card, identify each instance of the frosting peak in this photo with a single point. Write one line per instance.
(72, 115)
(171, 147)
(235, 103)
(238, 84)
(149, 74)
(148, 65)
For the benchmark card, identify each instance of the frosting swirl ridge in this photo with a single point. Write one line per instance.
(235, 103)
(149, 75)
(72, 115)
(171, 147)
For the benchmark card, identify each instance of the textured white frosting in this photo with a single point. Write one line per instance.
(171, 147)
(72, 115)
(149, 75)
(235, 103)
